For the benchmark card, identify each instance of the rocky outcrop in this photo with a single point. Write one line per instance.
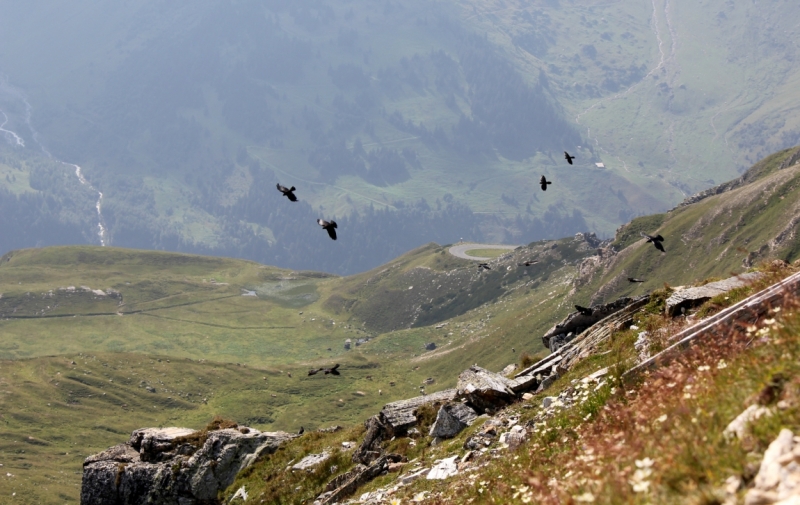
(692, 297)
(401, 415)
(347, 483)
(576, 322)
(451, 419)
(483, 390)
(370, 448)
(173, 466)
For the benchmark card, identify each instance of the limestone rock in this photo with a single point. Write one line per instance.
(370, 449)
(484, 390)
(310, 461)
(347, 483)
(738, 426)
(691, 297)
(778, 479)
(169, 467)
(451, 419)
(509, 369)
(401, 415)
(443, 468)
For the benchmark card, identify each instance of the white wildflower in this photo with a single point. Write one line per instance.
(662, 418)
(721, 364)
(586, 497)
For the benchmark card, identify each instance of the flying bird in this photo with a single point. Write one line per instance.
(484, 266)
(287, 192)
(544, 182)
(568, 157)
(633, 279)
(656, 241)
(329, 226)
(583, 310)
(528, 263)
(332, 370)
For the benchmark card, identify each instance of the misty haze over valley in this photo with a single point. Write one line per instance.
(167, 125)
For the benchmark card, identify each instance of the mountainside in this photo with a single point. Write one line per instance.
(441, 114)
(140, 326)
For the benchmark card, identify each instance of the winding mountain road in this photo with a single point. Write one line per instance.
(460, 250)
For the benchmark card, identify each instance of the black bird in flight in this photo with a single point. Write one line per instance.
(484, 266)
(287, 192)
(633, 279)
(568, 157)
(583, 310)
(656, 241)
(332, 370)
(329, 226)
(544, 182)
(528, 263)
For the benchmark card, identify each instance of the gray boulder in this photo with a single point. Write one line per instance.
(451, 419)
(691, 297)
(483, 390)
(173, 466)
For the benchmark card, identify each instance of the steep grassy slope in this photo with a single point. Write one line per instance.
(716, 236)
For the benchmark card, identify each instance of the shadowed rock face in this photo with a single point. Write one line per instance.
(165, 466)
(576, 322)
(451, 419)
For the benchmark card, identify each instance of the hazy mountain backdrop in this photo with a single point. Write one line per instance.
(407, 122)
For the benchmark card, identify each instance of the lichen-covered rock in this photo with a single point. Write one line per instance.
(173, 466)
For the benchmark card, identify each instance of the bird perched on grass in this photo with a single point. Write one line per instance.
(528, 263)
(633, 279)
(287, 192)
(543, 183)
(302, 430)
(329, 226)
(483, 266)
(656, 241)
(583, 310)
(568, 157)
(332, 370)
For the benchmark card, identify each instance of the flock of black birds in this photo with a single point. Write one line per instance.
(330, 227)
